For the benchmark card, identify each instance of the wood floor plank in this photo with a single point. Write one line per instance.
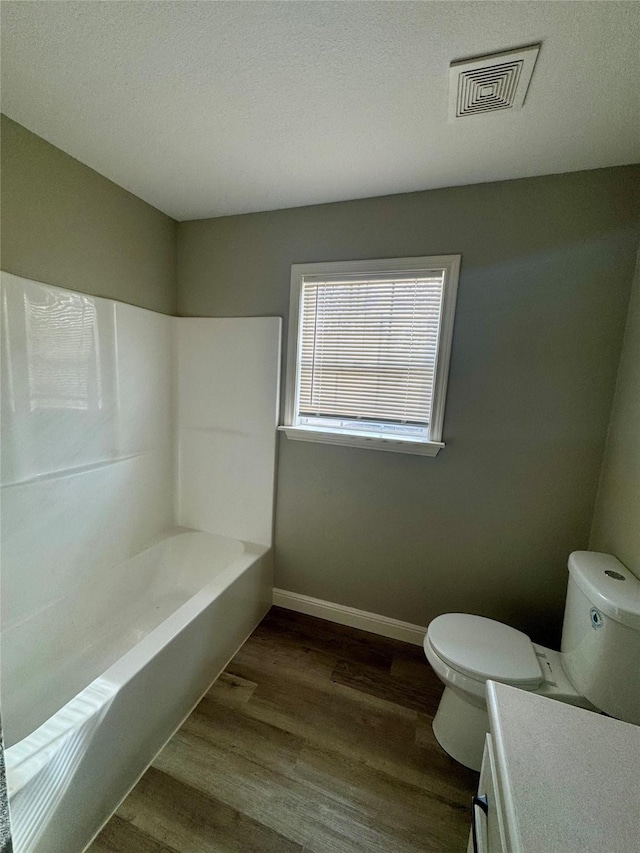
(265, 657)
(333, 774)
(337, 718)
(190, 821)
(364, 727)
(411, 664)
(319, 823)
(411, 667)
(340, 640)
(430, 820)
(224, 727)
(119, 836)
(418, 694)
(234, 689)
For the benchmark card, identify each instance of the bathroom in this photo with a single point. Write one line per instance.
(213, 632)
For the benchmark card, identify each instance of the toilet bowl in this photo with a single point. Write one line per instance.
(597, 667)
(467, 651)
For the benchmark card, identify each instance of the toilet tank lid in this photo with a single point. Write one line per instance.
(608, 584)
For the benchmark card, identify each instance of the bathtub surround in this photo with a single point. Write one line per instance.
(616, 524)
(87, 469)
(228, 374)
(487, 526)
(92, 405)
(66, 225)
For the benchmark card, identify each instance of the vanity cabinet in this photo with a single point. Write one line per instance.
(487, 830)
(555, 779)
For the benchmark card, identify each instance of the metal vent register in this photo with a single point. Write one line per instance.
(490, 83)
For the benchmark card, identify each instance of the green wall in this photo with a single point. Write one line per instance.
(616, 523)
(487, 526)
(64, 224)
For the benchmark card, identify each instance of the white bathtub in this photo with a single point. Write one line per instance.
(96, 684)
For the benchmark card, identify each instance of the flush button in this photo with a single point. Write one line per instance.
(615, 575)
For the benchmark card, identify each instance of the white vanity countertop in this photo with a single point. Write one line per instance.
(569, 778)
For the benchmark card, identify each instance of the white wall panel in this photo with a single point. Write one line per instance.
(228, 373)
(87, 471)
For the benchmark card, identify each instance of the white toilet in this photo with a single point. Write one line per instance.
(598, 666)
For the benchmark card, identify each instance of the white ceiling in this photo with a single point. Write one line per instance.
(213, 108)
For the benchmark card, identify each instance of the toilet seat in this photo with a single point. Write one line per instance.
(483, 649)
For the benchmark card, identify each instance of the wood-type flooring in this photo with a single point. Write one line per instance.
(316, 739)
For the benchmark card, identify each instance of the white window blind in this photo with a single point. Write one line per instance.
(368, 352)
(368, 348)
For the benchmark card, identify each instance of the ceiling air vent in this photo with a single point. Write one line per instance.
(490, 83)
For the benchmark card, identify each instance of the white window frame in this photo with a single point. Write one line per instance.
(423, 446)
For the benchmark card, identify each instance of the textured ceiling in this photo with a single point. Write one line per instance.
(212, 108)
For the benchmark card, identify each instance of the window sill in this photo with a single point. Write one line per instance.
(363, 440)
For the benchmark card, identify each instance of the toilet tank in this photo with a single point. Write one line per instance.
(601, 634)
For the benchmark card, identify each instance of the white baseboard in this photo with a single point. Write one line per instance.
(372, 622)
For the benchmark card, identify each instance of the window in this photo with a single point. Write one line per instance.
(368, 358)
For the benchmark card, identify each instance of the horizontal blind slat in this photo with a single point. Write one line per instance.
(368, 346)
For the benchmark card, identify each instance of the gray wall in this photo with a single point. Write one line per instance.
(64, 224)
(616, 523)
(486, 526)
